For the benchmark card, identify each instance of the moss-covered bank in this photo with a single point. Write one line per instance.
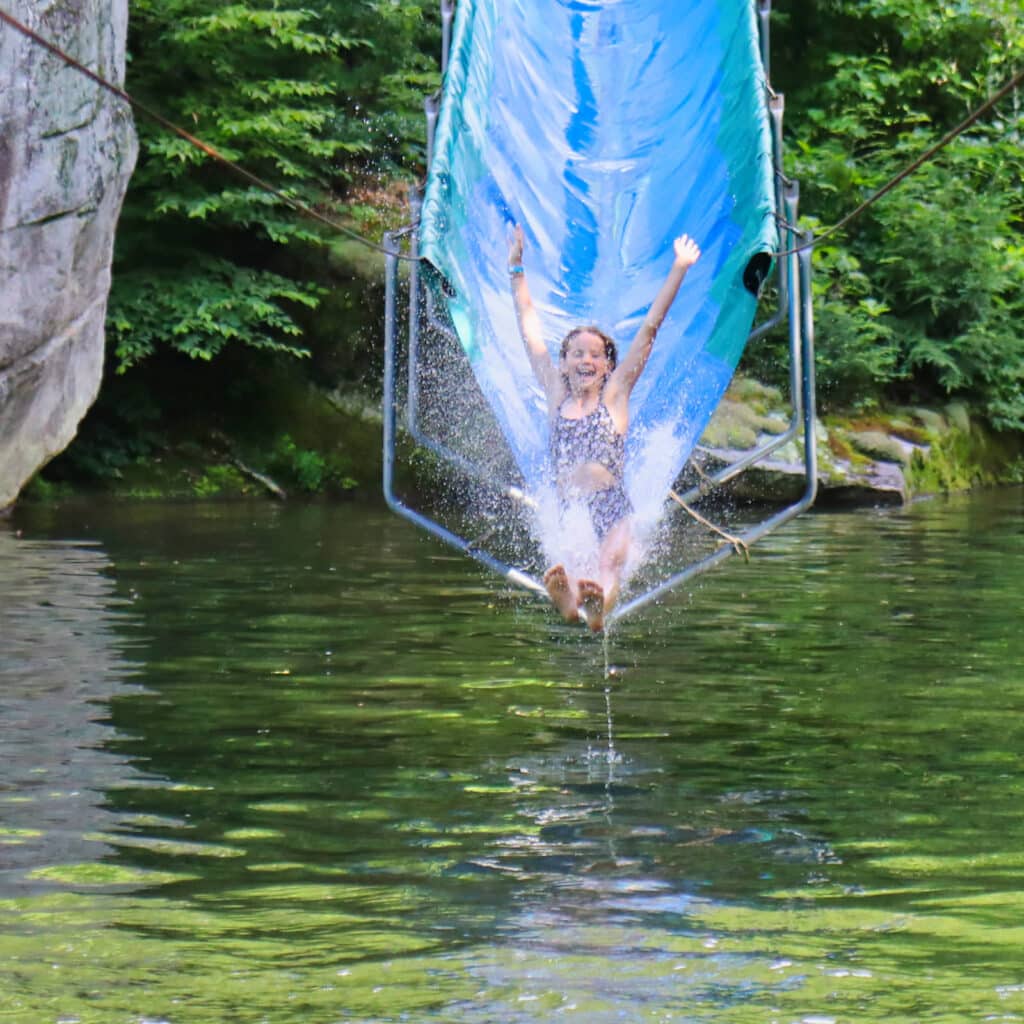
(887, 456)
(294, 440)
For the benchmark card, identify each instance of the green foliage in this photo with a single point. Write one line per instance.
(865, 64)
(307, 470)
(201, 308)
(220, 479)
(255, 84)
(381, 85)
(953, 271)
(293, 96)
(923, 293)
(119, 432)
(856, 343)
(44, 492)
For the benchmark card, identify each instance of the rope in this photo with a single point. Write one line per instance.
(205, 147)
(738, 544)
(946, 139)
(706, 482)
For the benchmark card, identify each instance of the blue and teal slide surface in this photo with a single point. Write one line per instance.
(606, 128)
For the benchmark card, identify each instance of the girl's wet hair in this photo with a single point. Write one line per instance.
(610, 352)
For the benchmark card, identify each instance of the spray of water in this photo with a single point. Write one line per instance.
(565, 531)
(457, 410)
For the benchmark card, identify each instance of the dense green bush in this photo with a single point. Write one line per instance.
(310, 99)
(922, 296)
(952, 268)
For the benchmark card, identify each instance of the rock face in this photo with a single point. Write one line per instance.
(885, 459)
(67, 149)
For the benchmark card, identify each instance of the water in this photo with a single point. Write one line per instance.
(299, 764)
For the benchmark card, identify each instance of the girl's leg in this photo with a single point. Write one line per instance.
(562, 593)
(614, 552)
(598, 598)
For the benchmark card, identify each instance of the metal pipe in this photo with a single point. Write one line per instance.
(733, 470)
(808, 416)
(513, 575)
(390, 288)
(412, 401)
(764, 10)
(777, 113)
(431, 108)
(447, 13)
(809, 382)
(795, 345)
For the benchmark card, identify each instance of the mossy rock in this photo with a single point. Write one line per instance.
(878, 445)
(959, 416)
(933, 422)
(729, 428)
(757, 396)
(961, 459)
(738, 425)
(840, 447)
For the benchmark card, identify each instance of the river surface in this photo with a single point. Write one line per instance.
(301, 765)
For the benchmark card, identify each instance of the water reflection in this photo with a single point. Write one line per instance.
(61, 661)
(376, 787)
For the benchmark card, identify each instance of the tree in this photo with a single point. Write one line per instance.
(923, 293)
(294, 96)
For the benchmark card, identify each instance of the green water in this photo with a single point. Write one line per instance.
(265, 764)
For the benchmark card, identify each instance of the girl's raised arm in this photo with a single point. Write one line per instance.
(626, 374)
(530, 330)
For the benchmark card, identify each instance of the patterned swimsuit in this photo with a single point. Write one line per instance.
(593, 438)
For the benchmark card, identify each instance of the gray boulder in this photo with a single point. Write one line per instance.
(67, 149)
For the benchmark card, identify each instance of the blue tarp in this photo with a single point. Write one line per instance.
(606, 128)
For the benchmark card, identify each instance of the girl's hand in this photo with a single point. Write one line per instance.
(515, 249)
(687, 251)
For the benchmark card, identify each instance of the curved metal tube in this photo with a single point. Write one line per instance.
(804, 333)
(513, 575)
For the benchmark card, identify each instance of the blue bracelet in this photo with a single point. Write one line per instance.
(516, 270)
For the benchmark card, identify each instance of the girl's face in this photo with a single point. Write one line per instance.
(585, 362)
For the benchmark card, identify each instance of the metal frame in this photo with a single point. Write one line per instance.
(412, 420)
(793, 285)
(513, 575)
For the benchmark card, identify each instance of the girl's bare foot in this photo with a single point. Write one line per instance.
(592, 603)
(556, 579)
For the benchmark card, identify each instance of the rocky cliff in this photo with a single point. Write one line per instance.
(67, 149)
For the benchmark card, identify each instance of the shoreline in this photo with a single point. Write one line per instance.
(887, 457)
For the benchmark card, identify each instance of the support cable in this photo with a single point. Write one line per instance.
(946, 139)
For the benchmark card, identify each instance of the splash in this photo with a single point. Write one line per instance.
(563, 527)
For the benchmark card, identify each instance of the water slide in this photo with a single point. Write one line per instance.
(606, 128)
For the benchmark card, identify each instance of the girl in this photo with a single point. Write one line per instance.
(587, 394)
